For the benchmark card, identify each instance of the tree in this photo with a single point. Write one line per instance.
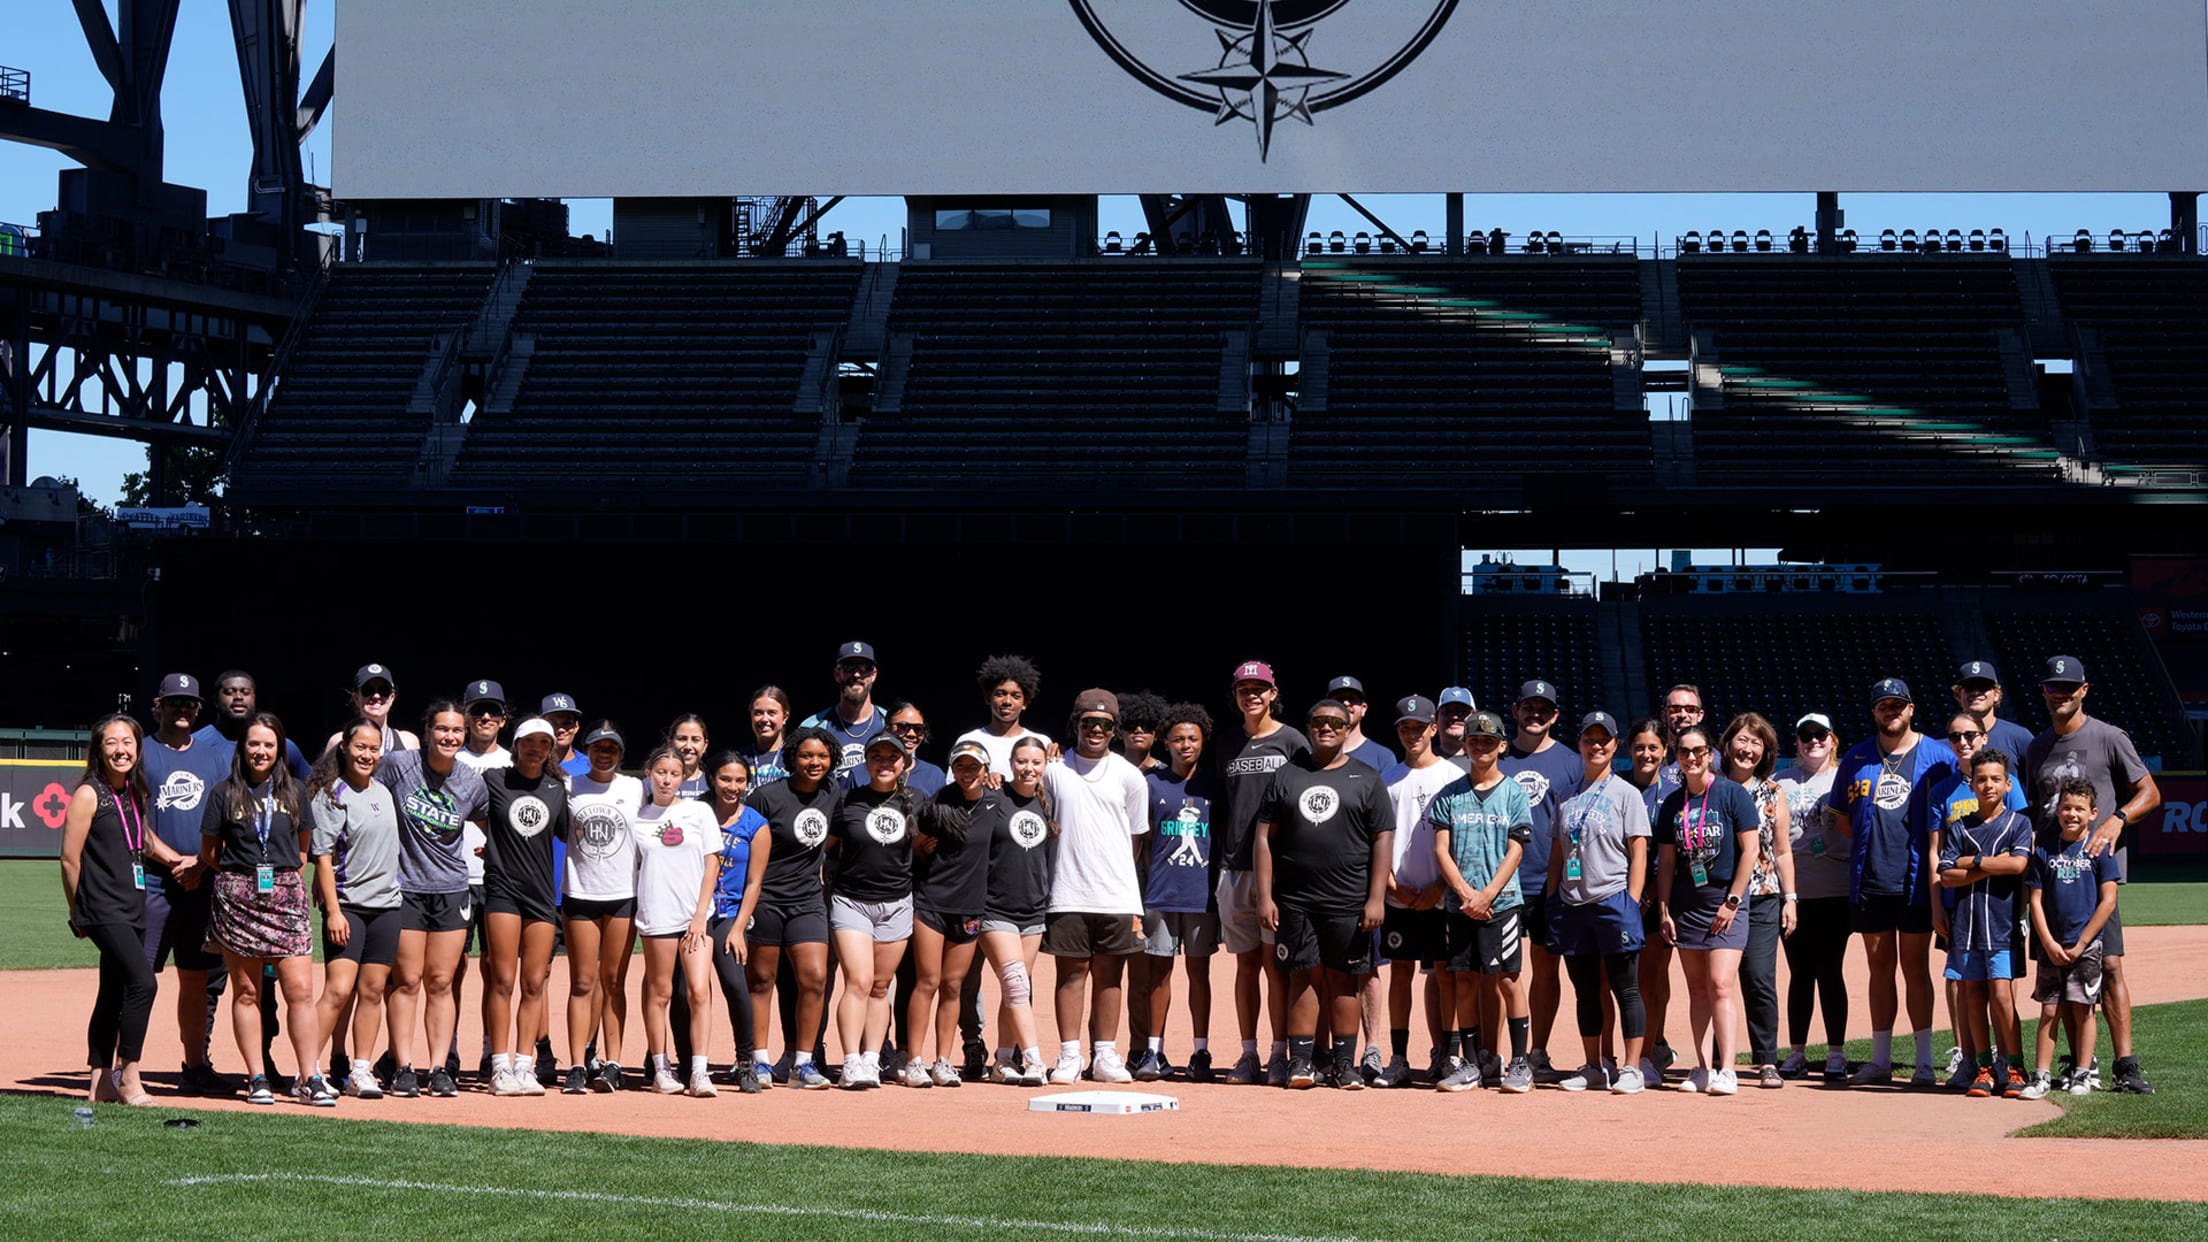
(195, 476)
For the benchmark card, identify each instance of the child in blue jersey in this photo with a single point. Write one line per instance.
(2073, 895)
(1953, 800)
(1481, 824)
(1983, 858)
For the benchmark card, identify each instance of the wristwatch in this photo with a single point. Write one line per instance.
(1792, 896)
(1732, 901)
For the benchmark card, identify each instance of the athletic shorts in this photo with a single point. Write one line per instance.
(1013, 927)
(1169, 933)
(1534, 917)
(476, 942)
(176, 922)
(1239, 930)
(434, 912)
(954, 928)
(1879, 912)
(590, 910)
(2112, 932)
(1597, 929)
(1408, 935)
(776, 927)
(1980, 965)
(530, 908)
(1077, 934)
(1489, 948)
(371, 938)
(2079, 983)
(1307, 939)
(887, 922)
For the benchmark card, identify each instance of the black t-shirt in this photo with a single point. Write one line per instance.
(873, 838)
(241, 848)
(1248, 770)
(525, 818)
(1323, 827)
(1705, 828)
(1022, 851)
(954, 879)
(107, 885)
(797, 829)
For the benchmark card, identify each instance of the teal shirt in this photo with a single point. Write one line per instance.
(1481, 826)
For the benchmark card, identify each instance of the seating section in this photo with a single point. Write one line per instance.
(1787, 663)
(339, 415)
(2129, 688)
(1484, 368)
(1868, 366)
(1060, 373)
(1506, 646)
(665, 372)
(2150, 319)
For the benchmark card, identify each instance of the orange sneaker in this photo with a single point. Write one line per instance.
(1982, 1086)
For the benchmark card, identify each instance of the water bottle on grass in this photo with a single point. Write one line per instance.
(84, 1116)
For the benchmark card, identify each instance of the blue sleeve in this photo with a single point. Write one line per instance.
(296, 761)
(2035, 876)
(1950, 852)
(2020, 838)
(2016, 800)
(1666, 828)
(2105, 872)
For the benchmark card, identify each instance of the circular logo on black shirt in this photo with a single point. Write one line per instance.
(886, 824)
(527, 815)
(1319, 803)
(811, 827)
(1028, 829)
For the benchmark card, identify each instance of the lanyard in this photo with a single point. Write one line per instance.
(265, 809)
(134, 841)
(1699, 835)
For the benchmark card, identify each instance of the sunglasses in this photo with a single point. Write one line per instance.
(1968, 735)
(375, 692)
(1812, 735)
(1098, 724)
(908, 726)
(1693, 752)
(1682, 707)
(487, 710)
(858, 670)
(1327, 724)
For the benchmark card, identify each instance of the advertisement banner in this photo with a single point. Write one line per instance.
(2180, 829)
(34, 796)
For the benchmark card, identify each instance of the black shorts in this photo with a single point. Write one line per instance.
(371, 939)
(499, 898)
(1534, 918)
(176, 922)
(2112, 932)
(954, 928)
(435, 912)
(779, 927)
(1489, 948)
(1083, 935)
(1408, 935)
(1880, 912)
(590, 911)
(1331, 938)
(476, 942)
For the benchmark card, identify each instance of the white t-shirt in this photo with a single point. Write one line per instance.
(672, 844)
(471, 836)
(1102, 806)
(1000, 748)
(1409, 790)
(601, 846)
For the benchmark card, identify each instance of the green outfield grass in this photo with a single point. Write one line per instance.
(34, 919)
(2163, 898)
(128, 1177)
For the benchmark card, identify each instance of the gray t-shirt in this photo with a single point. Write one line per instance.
(2097, 751)
(1593, 826)
(359, 834)
(433, 815)
(1820, 852)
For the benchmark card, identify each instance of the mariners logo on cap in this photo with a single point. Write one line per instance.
(483, 687)
(376, 670)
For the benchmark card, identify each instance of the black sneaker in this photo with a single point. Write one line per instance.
(607, 1079)
(975, 1067)
(1348, 1076)
(548, 1066)
(577, 1081)
(1199, 1066)
(405, 1084)
(441, 1083)
(278, 1081)
(1301, 1074)
(747, 1078)
(483, 1068)
(1166, 1068)
(452, 1062)
(201, 1079)
(2129, 1081)
(387, 1067)
(341, 1068)
(258, 1091)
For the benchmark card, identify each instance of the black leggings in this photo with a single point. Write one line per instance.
(1814, 957)
(1625, 987)
(736, 989)
(125, 1001)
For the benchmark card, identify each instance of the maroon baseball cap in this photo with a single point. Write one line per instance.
(1254, 670)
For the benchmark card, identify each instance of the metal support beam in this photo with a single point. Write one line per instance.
(317, 99)
(1453, 210)
(1829, 220)
(2185, 220)
(1377, 222)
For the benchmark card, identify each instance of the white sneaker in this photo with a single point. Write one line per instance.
(361, 1083)
(505, 1082)
(1871, 1074)
(665, 1082)
(854, 1073)
(701, 1084)
(1031, 1070)
(1107, 1067)
(1954, 1064)
(1724, 1082)
(944, 1073)
(1696, 1081)
(1005, 1070)
(1628, 1082)
(1586, 1076)
(1068, 1070)
(914, 1075)
(526, 1079)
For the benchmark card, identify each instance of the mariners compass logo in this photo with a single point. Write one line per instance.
(1265, 62)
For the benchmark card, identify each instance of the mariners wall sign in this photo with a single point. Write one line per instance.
(1263, 62)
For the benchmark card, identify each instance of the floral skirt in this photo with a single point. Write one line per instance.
(251, 923)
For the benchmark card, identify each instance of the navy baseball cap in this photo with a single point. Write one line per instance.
(1414, 707)
(1350, 684)
(855, 651)
(1598, 720)
(2063, 671)
(604, 733)
(1977, 670)
(180, 686)
(1455, 696)
(484, 692)
(1891, 688)
(373, 672)
(1486, 724)
(558, 703)
(1537, 689)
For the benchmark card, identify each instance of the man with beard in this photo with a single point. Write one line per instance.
(852, 719)
(180, 770)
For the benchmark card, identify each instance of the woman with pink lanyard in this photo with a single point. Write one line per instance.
(1707, 831)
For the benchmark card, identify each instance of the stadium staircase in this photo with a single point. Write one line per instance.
(2131, 688)
(2140, 326)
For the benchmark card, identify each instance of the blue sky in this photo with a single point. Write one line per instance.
(209, 146)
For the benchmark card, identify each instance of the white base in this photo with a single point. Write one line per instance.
(1108, 1103)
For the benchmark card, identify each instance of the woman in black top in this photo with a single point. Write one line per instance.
(1022, 831)
(792, 915)
(255, 838)
(950, 883)
(527, 813)
(870, 913)
(104, 848)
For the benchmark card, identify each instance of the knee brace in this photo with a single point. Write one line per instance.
(1014, 976)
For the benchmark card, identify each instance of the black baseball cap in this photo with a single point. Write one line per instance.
(1414, 707)
(2063, 670)
(1891, 688)
(1537, 689)
(604, 733)
(180, 686)
(855, 651)
(556, 703)
(373, 672)
(1486, 724)
(1350, 684)
(1977, 670)
(1598, 720)
(484, 692)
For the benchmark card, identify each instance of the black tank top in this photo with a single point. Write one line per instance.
(107, 886)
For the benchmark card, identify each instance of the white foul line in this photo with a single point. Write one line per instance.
(990, 1223)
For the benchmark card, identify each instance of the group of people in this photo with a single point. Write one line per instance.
(1474, 862)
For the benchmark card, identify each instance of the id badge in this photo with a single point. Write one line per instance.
(1701, 874)
(265, 878)
(1571, 868)
(1817, 845)
(138, 875)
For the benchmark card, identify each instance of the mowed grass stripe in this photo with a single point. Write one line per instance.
(115, 1181)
